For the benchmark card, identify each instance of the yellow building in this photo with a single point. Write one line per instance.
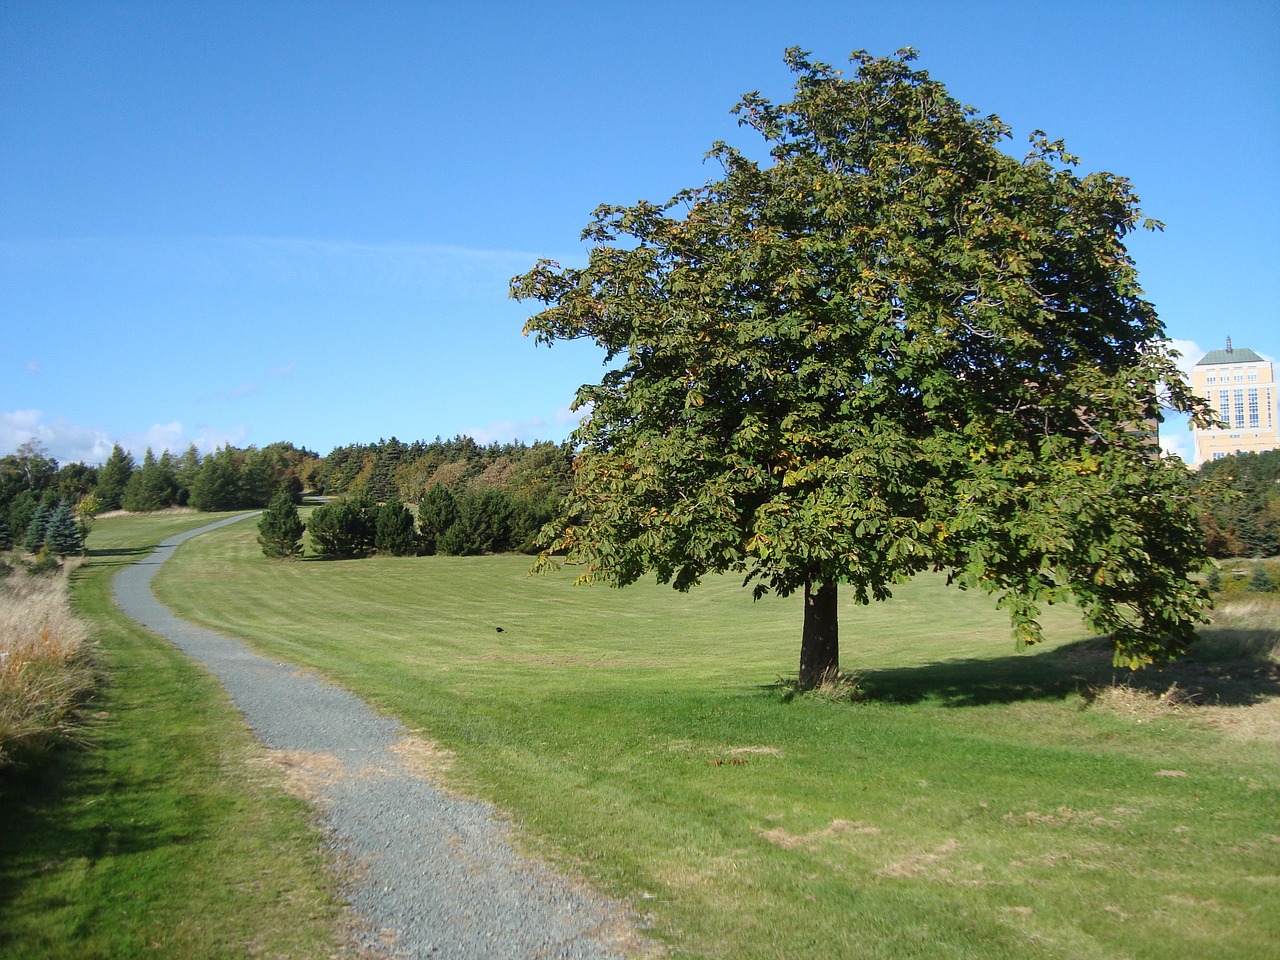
(1241, 387)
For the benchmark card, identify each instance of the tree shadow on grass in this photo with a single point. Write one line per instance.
(1231, 665)
(65, 814)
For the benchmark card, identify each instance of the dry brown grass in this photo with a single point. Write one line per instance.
(1231, 681)
(45, 670)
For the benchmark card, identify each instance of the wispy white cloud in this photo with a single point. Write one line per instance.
(67, 442)
(509, 431)
(33, 367)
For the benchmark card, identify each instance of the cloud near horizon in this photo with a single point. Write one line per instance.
(72, 443)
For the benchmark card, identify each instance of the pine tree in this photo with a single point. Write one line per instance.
(113, 477)
(280, 528)
(1260, 581)
(152, 486)
(437, 512)
(6, 537)
(62, 535)
(37, 529)
(395, 535)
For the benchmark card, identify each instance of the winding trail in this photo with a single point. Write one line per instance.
(428, 874)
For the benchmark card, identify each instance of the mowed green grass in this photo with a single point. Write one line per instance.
(972, 806)
(162, 836)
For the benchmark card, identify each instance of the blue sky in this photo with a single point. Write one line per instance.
(248, 222)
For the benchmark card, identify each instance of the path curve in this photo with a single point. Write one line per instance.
(428, 874)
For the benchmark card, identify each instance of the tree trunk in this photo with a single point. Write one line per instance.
(820, 645)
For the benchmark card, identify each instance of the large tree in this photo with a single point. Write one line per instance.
(891, 347)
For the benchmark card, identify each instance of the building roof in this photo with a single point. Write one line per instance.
(1237, 355)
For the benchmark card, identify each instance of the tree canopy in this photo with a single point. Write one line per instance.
(891, 347)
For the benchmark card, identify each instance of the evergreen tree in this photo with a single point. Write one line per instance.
(437, 512)
(217, 484)
(395, 535)
(1260, 581)
(184, 471)
(37, 528)
(343, 529)
(483, 525)
(280, 528)
(6, 537)
(113, 477)
(152, 486)
(62, 535)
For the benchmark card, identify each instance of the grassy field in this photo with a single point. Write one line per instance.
(974, 803)
(163, 836)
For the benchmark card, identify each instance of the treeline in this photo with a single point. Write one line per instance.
(1240, 504)
(227, 479)
(485, 498)
(470, 498)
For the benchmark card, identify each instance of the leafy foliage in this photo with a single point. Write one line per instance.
(280, 528)
(894, 348)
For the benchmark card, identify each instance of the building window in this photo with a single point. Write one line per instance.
(1239, 378)
(1253, 407)
(1224, 404)
(1211, 380)
(1219, 455)
(1253, 377)
(1238, 397)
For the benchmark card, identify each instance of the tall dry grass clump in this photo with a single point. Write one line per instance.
(45, 668)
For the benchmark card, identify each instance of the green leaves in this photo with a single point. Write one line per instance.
(894, 348)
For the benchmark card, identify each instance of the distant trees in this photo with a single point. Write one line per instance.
(1239, 498)
(153, 486)
(486, 498)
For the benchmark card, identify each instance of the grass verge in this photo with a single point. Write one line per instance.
(970, 802)
(160, 837)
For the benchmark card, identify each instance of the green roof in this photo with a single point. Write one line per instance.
(1238, 355)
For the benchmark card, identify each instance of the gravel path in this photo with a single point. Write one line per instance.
(429, 874)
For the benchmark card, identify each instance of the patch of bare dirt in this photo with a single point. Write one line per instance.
(305, 773)
(781, 837)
